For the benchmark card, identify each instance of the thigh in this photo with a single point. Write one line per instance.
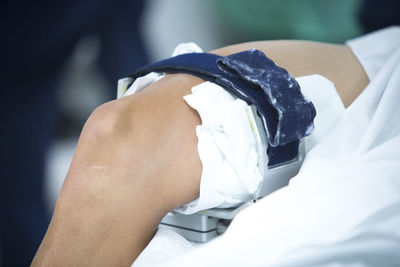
(335, 62)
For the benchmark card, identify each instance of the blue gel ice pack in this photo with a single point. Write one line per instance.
(251, 76)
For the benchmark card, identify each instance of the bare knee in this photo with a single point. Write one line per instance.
(139, 145)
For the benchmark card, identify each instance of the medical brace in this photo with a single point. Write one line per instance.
(279, 115)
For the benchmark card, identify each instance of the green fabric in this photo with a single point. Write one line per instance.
(319, 20)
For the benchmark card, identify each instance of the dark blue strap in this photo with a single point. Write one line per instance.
(251, 76)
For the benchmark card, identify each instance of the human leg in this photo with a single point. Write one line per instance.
(137, 159)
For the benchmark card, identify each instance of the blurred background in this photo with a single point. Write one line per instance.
(60, 60)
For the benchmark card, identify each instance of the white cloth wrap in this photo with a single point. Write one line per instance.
(226, 146)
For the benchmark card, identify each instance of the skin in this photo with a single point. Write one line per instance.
(137, 159)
